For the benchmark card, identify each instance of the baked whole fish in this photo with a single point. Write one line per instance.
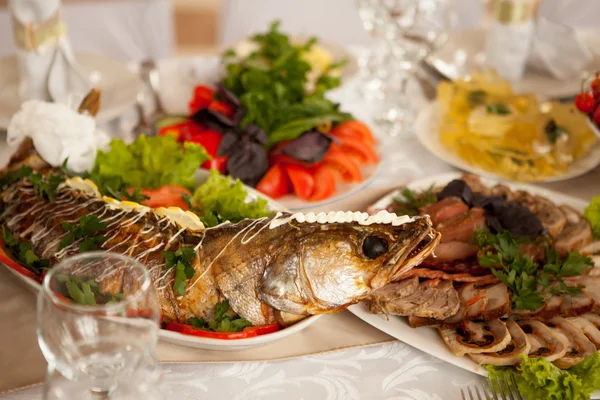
(276, 269)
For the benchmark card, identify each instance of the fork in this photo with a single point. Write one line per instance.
(501, 389)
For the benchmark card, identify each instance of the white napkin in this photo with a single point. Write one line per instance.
(557, 51)
(47, 68)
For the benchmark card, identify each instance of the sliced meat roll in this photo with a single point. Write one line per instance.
(423, 295)
(576, 234)
(590, 330)
(579, 346)
(476, 337)
(552, 217)
(574, 305)
(543, 340)
(485, 302)
(444, 305)
(510, 355)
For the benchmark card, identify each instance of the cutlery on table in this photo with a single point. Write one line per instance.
(150, 75)
(497, 389)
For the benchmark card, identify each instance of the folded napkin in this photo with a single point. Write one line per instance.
(47, 67)
(557, 51)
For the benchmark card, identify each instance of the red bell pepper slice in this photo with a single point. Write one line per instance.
(203, 96)
(263, 329)
(218, 162)
(190, 330)
(208, 139)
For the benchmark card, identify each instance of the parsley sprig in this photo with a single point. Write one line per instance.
(521, 274)
(23, 252)
(45, 186)
(411, 201)
(84, 290)
(85, 231)
(222, 322)
(181, 260)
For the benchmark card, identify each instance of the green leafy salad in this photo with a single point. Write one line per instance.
(272, 86)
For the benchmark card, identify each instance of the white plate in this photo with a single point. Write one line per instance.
(425, 338)
(428, 128)
(467, 46)
(119, 86)
(208, 343)
(179, 76)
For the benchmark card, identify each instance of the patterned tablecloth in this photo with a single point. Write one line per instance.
(389, 371)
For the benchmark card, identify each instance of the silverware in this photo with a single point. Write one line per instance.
(142, 127)
(150, 75)
(499, 388)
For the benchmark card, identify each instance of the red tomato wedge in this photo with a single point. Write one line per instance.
(285, 159)
(354, 129)
(203, 96)
(302, 180)
(218, 162)
(275, 183)
(347, 165)
(208, 139)
(248, 332)
(166, 196)
(324, 183)
(356, 147)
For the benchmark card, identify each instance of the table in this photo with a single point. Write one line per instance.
(389, 371)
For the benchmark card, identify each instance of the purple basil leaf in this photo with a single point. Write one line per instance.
(213, 120)
(248, 162)
(227, 97)
(256, 133)
(228, 143)
(311, 147)
(237, 117)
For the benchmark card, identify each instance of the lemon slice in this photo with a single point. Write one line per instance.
(184, 219)
(85, 185)
(125, 205)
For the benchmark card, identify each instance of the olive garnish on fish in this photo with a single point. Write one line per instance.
(374, 246)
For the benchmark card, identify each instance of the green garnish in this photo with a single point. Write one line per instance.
(411, 201)
(553, 131)
(498, 109)
(222, 322)
(592, 214)
(271, 85)
(13, 176)
(148, 162)
(521, 274)
(476, 97)
(538, 378)
(221, 199)
(23, 252)
(84, 290)
(84, 231)
(181, 260)
(136, 195)
(45, 186)
(190, 203)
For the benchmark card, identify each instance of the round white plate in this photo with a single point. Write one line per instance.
(179, 76)
(208, 343)
(426, 338)
(119, 86)
(428, 128)
(463, 53)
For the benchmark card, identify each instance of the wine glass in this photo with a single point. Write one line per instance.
(98, 321)
(371, 61)
(414, 29)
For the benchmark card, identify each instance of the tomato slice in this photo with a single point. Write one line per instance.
(221, 108)
(324, 183)
(354, 129)
(285, 159)
(275, 183)
(347, 165)
(302, 180)
(218, 162)
(190, 330)
(208, 139)
(356, 147)
(203, 96)
(166, 196)
(263, 329)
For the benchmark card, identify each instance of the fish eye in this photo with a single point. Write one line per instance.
(374, 246)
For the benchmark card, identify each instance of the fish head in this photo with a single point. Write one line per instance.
(324, 267)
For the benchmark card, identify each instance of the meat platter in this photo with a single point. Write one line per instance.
(411, 327)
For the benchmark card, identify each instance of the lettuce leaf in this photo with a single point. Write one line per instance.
(221, 199)
(592, 214)
(539, 379)
(148, 162)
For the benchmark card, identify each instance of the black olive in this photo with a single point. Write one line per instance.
(373, 247)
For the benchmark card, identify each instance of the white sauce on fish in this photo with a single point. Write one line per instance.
(340, 217)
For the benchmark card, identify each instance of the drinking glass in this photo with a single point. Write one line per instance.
(414, 29)
(98, 321)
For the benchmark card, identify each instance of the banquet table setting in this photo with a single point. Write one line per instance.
(405, 205)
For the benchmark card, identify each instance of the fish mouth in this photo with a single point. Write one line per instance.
(407, 257)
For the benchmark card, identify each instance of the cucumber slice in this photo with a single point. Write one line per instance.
(169, 120)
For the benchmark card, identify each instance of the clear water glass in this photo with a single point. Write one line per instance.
(414, 28)
(98, 321)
